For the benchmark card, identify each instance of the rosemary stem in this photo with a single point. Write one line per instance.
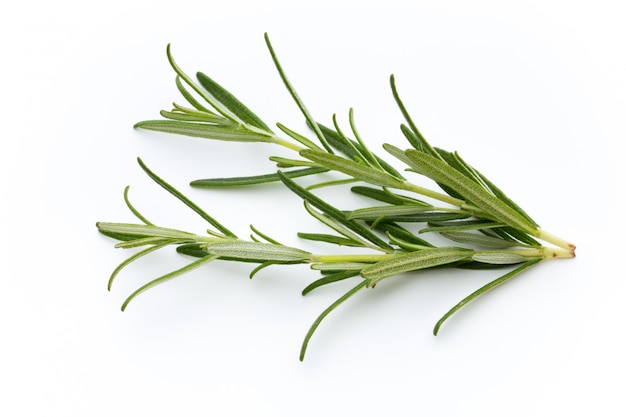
(561, 243)
(542, 252)
(289, 145)
(552, 253)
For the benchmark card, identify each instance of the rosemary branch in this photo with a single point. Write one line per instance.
(487, 228)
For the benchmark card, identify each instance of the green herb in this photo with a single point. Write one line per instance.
(486, 229)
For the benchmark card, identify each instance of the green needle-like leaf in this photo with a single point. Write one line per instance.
(352, 149)
(229, 101)
(197, 250)
(331, 211)
(290, 163)
(133, 209)
(480, 240)
(329, 279)
(413, 261)
(167, 277)
(385, 196)
(396, 231)
(483, 290)
(332, 239)
(220, 108)
(295, 96)
(203, 130)
(143, 230)
(423, 217)
(448, 226)
(194, 117)
(325, 313)
(389, 211)
(257, 250)
(133, 258)
(471, 191)
(354, 169)
(268, 264)
(423, 144)
(295, 135)
(185, 200)
(256, 179)
(191, 99)
(500, 194)
(500, 258)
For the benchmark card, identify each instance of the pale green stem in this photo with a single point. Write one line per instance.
(542, 252)
(287, 144)
(561, 243)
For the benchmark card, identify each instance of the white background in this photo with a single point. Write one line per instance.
(533, 93)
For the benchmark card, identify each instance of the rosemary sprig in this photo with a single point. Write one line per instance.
(485, 227)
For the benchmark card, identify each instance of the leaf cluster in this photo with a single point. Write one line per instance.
(485, 228)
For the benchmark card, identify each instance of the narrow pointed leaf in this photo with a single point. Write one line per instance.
(144, 230)
(412, 138)
(519, 236)
(337, 226)
(133, 209)
(325, 313)
(195, 117)
(229, 101)
(295, 96)
(300, 138)
(448, 226)
(255, 179)
(190, 98)
(185, 200)
(448, 157)
(400, 232)
(204, 130)
(499, 258)
(265, 265)
(220, 108)
(131, 259)
(400, 155)
(257, 250)
(455, 160)
(387, 211)
(472, 192)
(483, 290)
(197, 250)
(423, 143)
(384, 195)
(167, 277)
(282, 162)
(329, 279)
(407, 246)
(479, 240)
(265, 236)
(424, 217)
(332, 239)
(151, 240)
(338, 266)
(414, 261)
(354, 169)
(334, 213)
(500, 194)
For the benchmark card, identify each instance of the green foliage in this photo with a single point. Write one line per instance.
(489, 229)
